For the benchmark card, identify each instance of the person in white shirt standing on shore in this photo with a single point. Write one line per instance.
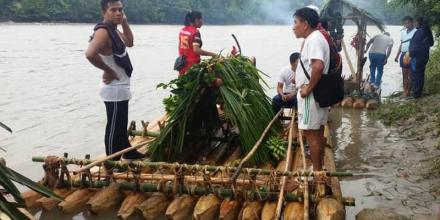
(405, 38)
(315, 59)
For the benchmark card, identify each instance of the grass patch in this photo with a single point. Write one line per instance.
(391, 112)
(432, 81)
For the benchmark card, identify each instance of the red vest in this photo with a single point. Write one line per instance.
(187, 36)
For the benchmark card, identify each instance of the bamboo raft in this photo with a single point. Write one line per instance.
(206, 190)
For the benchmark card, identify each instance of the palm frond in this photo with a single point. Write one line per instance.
(353, 8)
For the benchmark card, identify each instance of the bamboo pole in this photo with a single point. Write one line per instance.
(306, 184)
(286, 168)
(255, 147)
(119, 153)
(190, 168)
(350, 63)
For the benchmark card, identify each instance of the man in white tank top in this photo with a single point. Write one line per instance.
(115, 84)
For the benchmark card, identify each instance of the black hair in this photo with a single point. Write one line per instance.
(407, 18)
(104, 3)
(191, 17)
(324, 23)
(424, 23)
(294, 57)
(309, 15)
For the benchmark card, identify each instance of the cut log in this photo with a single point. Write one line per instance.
(105, 199)
(131, 201)
(229, 210)
(30, 198)
(154, 207)
(181, 208)
(251, 211)
(207, 208)
(347, 102)
(330, 209)
(269, 211)
(76, 200)
(372, 104)
(294, 211)
(50, 203)
(359, 103)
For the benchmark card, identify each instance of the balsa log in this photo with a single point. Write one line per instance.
(105, 199)
(133, 200)
(154, 207)
(207, 208)
(76, 201)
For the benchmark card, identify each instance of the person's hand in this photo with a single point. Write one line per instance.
(108, 77)
(396, 60)
(385, 62)
(304, 91)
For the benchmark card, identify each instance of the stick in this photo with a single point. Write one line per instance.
(306, 186)
(119, 153)
(254, 148)
(286, 168)
(236, 41)
(350, 64)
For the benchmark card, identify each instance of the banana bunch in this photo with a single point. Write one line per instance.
(277, 147)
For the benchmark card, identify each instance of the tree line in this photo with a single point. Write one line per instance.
(173, 11)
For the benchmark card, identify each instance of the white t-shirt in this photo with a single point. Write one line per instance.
(315, 48)
(117, 90)
(405, 38)
(287, 77)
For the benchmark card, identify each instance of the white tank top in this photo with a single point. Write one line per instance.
(117, 90)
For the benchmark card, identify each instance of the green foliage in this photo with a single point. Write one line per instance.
(428, 8)
(192, 107)
(432, 82)
(391, 112)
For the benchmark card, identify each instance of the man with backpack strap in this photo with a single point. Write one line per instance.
(314, 64)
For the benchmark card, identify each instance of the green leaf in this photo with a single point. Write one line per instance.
(10, 209)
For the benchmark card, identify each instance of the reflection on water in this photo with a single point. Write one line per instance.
(385, 166)
(49, 96)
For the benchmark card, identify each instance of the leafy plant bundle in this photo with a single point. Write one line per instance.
(233, 83)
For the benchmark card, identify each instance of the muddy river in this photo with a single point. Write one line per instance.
(49, 97)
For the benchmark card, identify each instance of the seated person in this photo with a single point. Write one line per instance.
(286, 89)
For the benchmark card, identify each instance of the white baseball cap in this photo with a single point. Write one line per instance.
(315, 8)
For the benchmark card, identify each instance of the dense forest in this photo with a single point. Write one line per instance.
(172, 11)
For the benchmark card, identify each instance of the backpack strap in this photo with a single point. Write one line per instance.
(304, 69)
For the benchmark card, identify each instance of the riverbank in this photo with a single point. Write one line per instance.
(418, 122)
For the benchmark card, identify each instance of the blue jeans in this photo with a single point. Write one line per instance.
(278, 103)
(418, 66)
(377, 61)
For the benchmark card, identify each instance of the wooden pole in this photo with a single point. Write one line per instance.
(255, 147)
(286, 168)
(306, 184)
(347, 57)
(109, 157)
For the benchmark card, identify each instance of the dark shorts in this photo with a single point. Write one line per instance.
(401, 61)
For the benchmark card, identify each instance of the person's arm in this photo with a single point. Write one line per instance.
(390, 48)
(315, 76)
(398, 54)
(202, 52)
(127, 34)
(99, 42)
(369, 44)
(280, 88)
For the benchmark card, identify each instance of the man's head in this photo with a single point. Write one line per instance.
(294, 60)
(112, 11)
(408, 22)
(305, 22)
(387, 34)
(194, 18)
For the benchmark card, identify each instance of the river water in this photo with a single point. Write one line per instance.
(49, 97)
